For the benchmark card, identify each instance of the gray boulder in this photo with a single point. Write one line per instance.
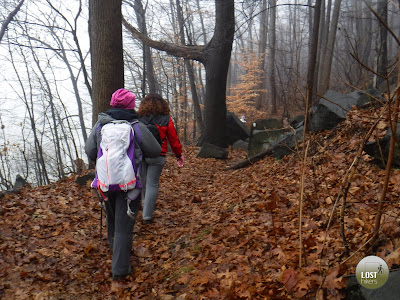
(369, 96)
(374, 148)
(19, 183)
(240, 144)
(334, 106)
(266, 124)
(264, 133)
(332, 110)
(236, 129)
(285, 145)
(82, 180)
(212, 151)
(390, 291)
(297, 121)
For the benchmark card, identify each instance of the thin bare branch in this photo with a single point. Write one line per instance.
(9, 19)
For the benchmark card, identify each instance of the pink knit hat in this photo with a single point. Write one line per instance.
(123, 98)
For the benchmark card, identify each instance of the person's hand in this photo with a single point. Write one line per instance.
(180, 161)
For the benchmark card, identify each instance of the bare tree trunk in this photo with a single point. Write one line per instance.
(216, 60)
(250, 21)
(393, 140)
(105, 31)
(313, 53)
(327, 61)
(73, 30)
(9, 19)
(185, 111)
(310, 22)
(382, 60)
(61, 53)
(39, 163)
(60, 164)
(70, 137)
(190, 71)
(200, 75)
(262, 52)
(176, 96)
(323, 38)
(366, 25)
(295, 62)
(148, 68)
(5, 168)
(272, 41)
(216, 57)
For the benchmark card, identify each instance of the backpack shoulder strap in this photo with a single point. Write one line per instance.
(135, 126)
(164, 120)
(134, 122)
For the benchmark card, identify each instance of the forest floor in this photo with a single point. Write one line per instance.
(218, 234)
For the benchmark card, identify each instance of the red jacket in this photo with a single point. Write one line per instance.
(167, 131)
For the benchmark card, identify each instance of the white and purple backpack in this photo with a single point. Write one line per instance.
(116, 168)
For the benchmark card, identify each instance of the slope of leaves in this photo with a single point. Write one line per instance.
(217, 234)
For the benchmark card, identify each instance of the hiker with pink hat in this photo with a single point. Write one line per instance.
(122, 205)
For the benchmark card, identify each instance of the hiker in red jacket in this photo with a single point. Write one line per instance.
(154, 110)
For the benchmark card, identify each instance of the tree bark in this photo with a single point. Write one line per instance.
(262, 52)
(382, 60)
(215, 56)
(328, 57)
(272, 79)
(105, 31)
(312, 60)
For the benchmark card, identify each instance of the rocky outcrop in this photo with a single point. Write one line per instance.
(379, 150)
(212, 151)
(264, 134)
(333, 107)
(236, 130)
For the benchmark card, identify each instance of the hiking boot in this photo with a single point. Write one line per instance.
(119, 277)
(122, 276)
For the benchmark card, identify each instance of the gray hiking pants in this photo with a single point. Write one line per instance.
(154, 167)
(120, 231)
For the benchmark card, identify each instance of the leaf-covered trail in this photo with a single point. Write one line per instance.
(217, 234)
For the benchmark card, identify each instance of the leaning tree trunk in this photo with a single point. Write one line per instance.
(215, 56)
(105, 30)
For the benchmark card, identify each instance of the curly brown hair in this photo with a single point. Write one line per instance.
(153, 104)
